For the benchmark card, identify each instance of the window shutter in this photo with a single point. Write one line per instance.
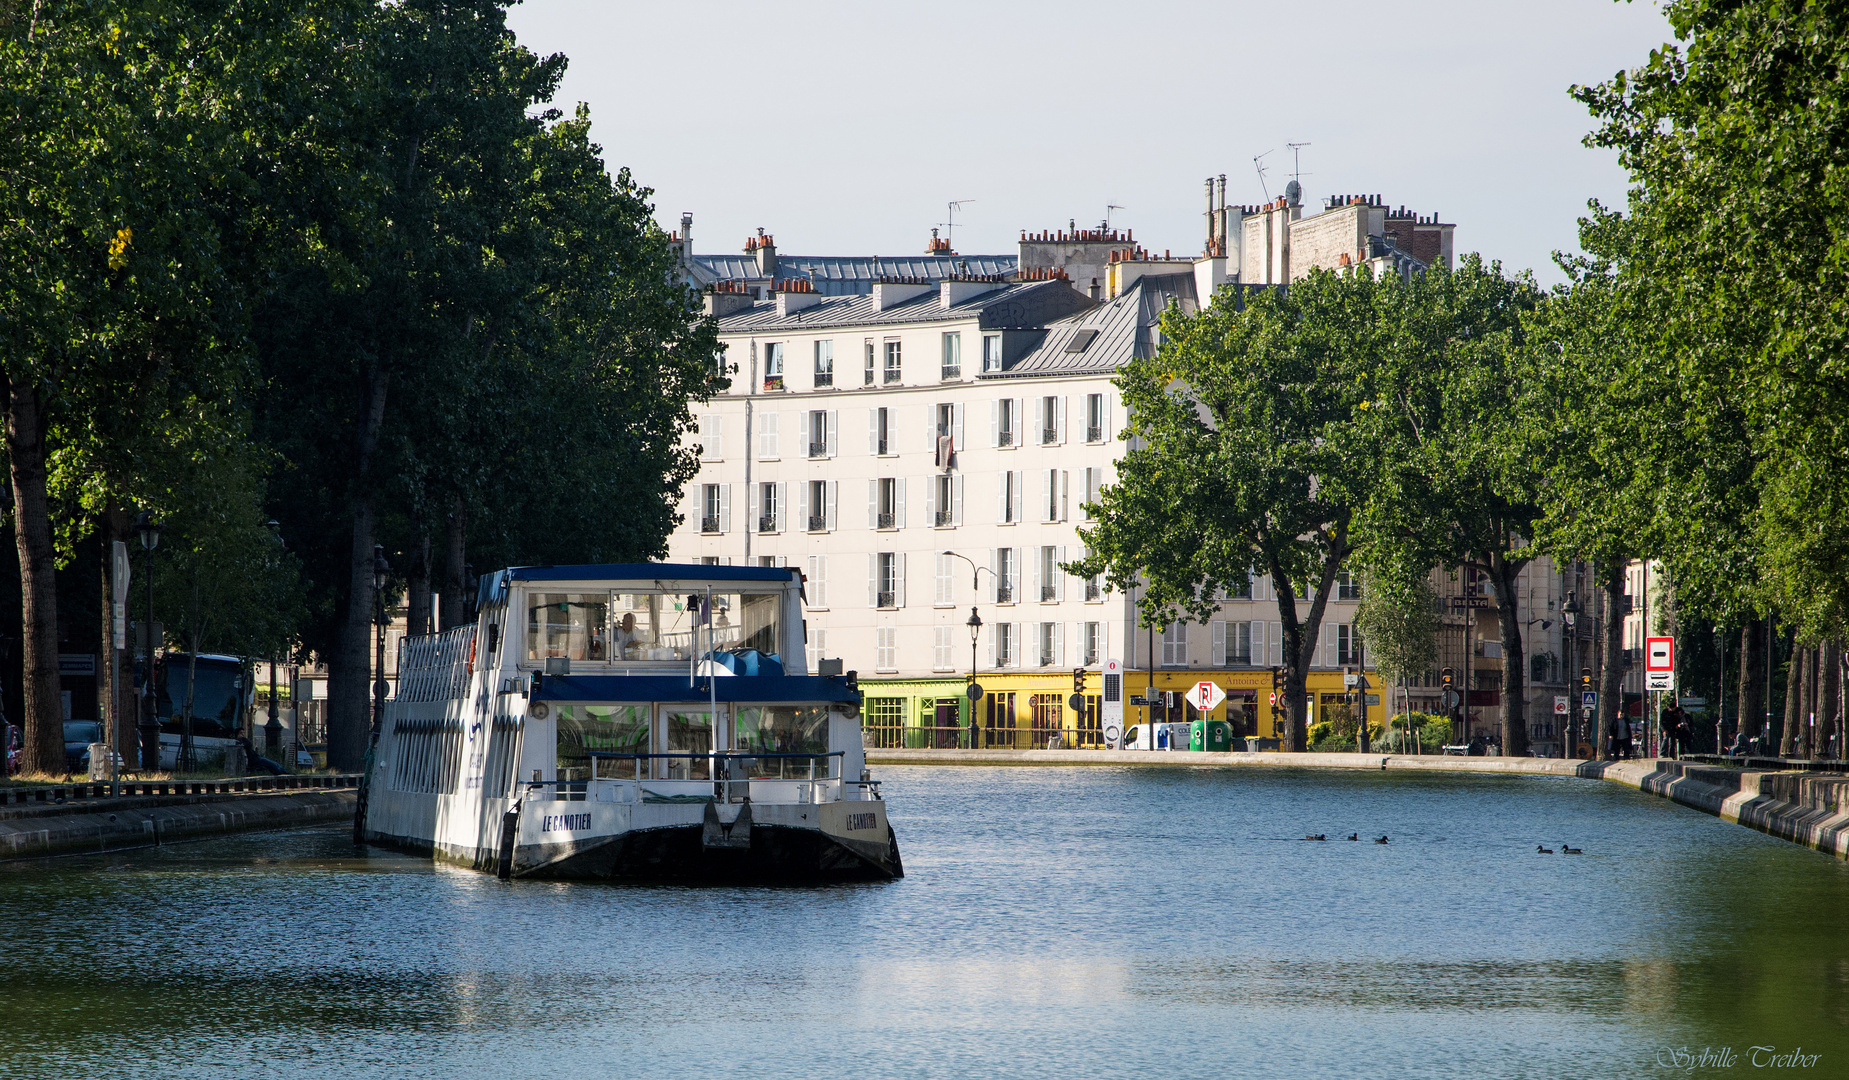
(1059, 645)
(1047, 479)
(995, 571)
(828, 518)
(956, 500)
(830, 431)
(1329, 645)
(873, 580)
(873, 431)
(995, 645)
(1059, 415)
(725, 508)
(1059, 575)
(1065, 493)
(1218, 657)
(802, 506)
(930, 517)
(783, 507)
(1022, 425)
(898, 583)
(892, 430)
(751, 508)
(873, 504)
(898, 503)
(1020, 481)
(1033, 593)
(1277, 646)
(956, 428)
(1001, 496)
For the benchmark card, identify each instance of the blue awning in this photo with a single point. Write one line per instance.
(729, 688)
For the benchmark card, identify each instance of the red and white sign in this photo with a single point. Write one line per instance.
(1561, 707)
(1274, 699)
(1206, 696)
(1660, 654)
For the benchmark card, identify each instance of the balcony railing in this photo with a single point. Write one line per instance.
(1094, 434)
(824, 378)
(1046, 658)
(886, 521)
(767, 524)
(818, 523)
(887, 599)
(952, 371)
(1005, 437)
(1004, 594)
(892, 375)
(1048, 436)
(818, 449)
(1093, 590)
(944, 518)
(880, 448)
(1048, 592)
(709, 524)
(773, 382)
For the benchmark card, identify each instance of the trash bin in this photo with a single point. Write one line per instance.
(1210, 735)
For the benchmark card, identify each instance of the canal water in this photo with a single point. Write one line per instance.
(1055, 922)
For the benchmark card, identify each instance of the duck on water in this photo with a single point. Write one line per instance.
(628, 721)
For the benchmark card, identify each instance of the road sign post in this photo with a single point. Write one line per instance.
(1206, 696)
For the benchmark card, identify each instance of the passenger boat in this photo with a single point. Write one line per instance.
(629, 721)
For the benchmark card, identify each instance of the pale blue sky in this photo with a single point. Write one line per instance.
(845, 128)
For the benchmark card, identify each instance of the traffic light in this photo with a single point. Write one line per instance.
(1078, 680)
(1585, 678)
(1450, 678)
(1277, 679)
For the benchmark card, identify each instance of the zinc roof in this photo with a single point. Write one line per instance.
(1021, 304)
(838, 275)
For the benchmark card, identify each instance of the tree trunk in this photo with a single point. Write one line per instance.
(1752, 689)
(1611, 680)
(1794, 701)
(43, 749)
(1829, 698)
(1514, 678)
(455, 581)
(417, 605)
(349, 723)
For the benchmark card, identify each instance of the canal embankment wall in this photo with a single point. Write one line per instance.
(36, 822)
(1808, 808)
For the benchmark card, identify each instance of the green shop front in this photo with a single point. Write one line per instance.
(914, 713)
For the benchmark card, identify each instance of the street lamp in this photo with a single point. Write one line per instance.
(380, 570)
(975, 631)
(272, 730)
(1569, 614)
(149, 532)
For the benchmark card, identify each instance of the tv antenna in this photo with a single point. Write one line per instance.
(1258, 163)
(1108, 207)
(1296, 153)
(950, 227)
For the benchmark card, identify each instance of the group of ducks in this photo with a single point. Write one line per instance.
(1564, 850)
(1350, 836)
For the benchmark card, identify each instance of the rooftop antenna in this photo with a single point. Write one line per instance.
(1296, 175)
(1258, 163)
(1108, 207)
(950, 227)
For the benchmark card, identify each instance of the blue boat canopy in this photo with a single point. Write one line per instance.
(492, 587)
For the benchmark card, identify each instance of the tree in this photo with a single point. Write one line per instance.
(1452, 486)
(1244, 460)
(1398, 621)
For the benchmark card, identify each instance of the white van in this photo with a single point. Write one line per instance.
(1168, 737)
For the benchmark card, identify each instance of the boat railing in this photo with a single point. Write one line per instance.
(723, 776)
(436, 667)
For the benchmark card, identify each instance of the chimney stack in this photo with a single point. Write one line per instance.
(765, 248)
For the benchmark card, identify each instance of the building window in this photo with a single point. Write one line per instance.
(868, 381)
(709, 508)
(1006, 571)
(945, 491)
(1049, 573)
(824, 363)
(886, 648)
(815, 586)
(709, 560)
(1175, 645)
(1238, 643)
(1347, 645)
(946, 423)
(818, 646)
(768, 562)
(1347, 586)
(1088, 646)
(882, 432)
(1053, 494)
(1094, 418)
(1240, 589)
(953, 356)
(773, 365)
(1005, 422)
(888, 502)
(1011, 497)
(818, 506)
(946, 580)
(991, 352)
(1050, 645)
(887, 580)
(1004, 644)
(712, 427)
(767, 435)
(767, 508)
(892, 362)
(818, 433)
(943, 648)
(1094, 482)
(1050, 420)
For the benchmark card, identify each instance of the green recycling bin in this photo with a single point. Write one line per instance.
(1210, 735)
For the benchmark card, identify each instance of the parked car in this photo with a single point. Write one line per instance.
(1169, 736)
(78, 735)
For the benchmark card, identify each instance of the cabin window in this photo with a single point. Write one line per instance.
(574, 625)
(614, 729)
(783, 729)
(689, 732)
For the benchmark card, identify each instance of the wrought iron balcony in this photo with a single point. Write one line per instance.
(818, 449)
(1093, 590)
(1004, 594)
(1049, 592)
(709, 524)
(1048, 436)
(767, 524)
(818, 523)
(886, 521)
(773, 382)
(824, 378)
(1094, 434)
(1005, 437)
(944, 518)
(887, 600)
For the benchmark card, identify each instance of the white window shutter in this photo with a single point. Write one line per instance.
(930, 517)
(995, 645)
(898, 503)
(898, 584)
(1020, 482)
(1059, 645)
(1329, 644)
(831, 431)
(1033, 592)
(1065, 493)
(995, 423)
(995, 571)
(873, 431)
(892, 430)
(1022, 424)
(1059, 576)
(1257, 630)
(1277, 646)
(1001, 496)
(829, 520)
(956, 428)
(802, 506)
(873, 504)
(725, 508)
(783, 507)
(751, 508)
(1059, 415)
(873, 580)
(956, 500)
(1218, 658)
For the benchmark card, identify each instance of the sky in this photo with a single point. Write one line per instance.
(848, 128)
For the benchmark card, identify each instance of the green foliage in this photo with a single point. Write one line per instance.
(1398, 619)
(1428, 733)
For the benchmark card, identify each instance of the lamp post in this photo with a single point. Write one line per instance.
(1569, 614)
(380, 569)
(272, 729)
(1526, 623)
(975, 631)
(149, 532)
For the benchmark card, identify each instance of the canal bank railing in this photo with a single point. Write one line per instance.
(69, 793)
